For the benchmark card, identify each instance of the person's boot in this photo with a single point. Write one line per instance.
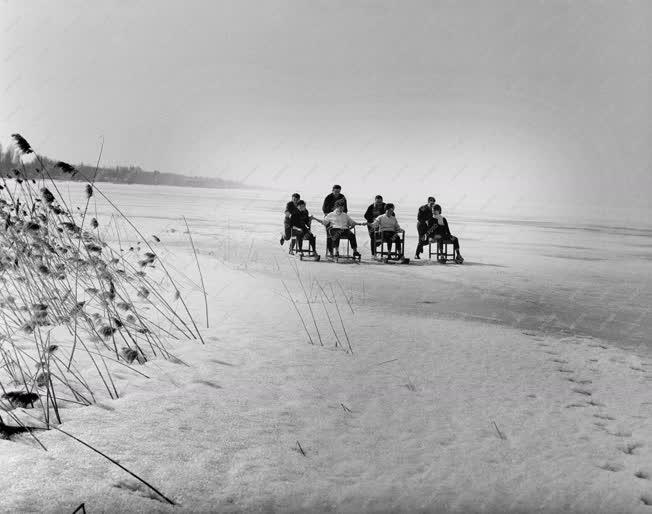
(292, 247)
(282, 239)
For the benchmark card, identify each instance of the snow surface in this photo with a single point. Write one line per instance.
(518, 382)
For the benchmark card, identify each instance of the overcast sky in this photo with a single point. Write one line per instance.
(478, 102)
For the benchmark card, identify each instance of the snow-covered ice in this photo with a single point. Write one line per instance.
(518, 382)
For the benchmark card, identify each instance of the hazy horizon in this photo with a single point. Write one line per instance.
(503, 104)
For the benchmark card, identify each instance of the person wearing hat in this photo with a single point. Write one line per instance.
(373, 211)
(290, 209)
(329, 206)
(424, 224)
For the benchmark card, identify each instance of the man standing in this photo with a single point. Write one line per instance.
(290, 208)
(335, 196)
(373, 211)
(424, 223)
(329, 206)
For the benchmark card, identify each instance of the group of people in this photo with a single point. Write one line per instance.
(380, 220)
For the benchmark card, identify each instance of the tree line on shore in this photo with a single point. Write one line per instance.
(10, 160)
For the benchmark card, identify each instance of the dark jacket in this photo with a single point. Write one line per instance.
(329, 203)
(424, 215)
(290, 207)
(300, 220)
(440, 230)
(373, 212)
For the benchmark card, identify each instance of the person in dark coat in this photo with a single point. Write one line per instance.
(373, 211)
(329, 206)
(300, 221)
(424, 224)
(335, 196)
(290, 208)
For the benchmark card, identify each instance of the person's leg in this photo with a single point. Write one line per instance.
(348, 234)
(422, 229)
(397, 240)
(312, 242)
(372, 242)
(456, 247)
(388, 237)
(353, 241)
(336, 234)
(298, 239)
(287, 232)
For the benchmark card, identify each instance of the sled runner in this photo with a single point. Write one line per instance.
(444, 250)
(336, 256)
(297, 248)
(383, 252)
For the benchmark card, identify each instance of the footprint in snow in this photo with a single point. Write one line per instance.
(223, 363)
(604, 416)
(580, 390)
(642, 475)
(579, 381)
(611, 466)
(559, 361)
(646, 499)
(621, 433)
(208, 383)
(565, 370)
(630, 448)
(594, 403)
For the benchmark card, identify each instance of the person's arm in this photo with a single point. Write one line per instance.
(345, 208)
(376, 223)
(397, 226)
(446, 229)
(312, 218)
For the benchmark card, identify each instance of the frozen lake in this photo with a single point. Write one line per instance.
(557, 276)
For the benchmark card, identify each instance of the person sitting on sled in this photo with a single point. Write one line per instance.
(340, 225)
(424, 224)
(390, 230)
(300, 222)
(329, 206)
(290, 208)
(442, 234)
(373, 211)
